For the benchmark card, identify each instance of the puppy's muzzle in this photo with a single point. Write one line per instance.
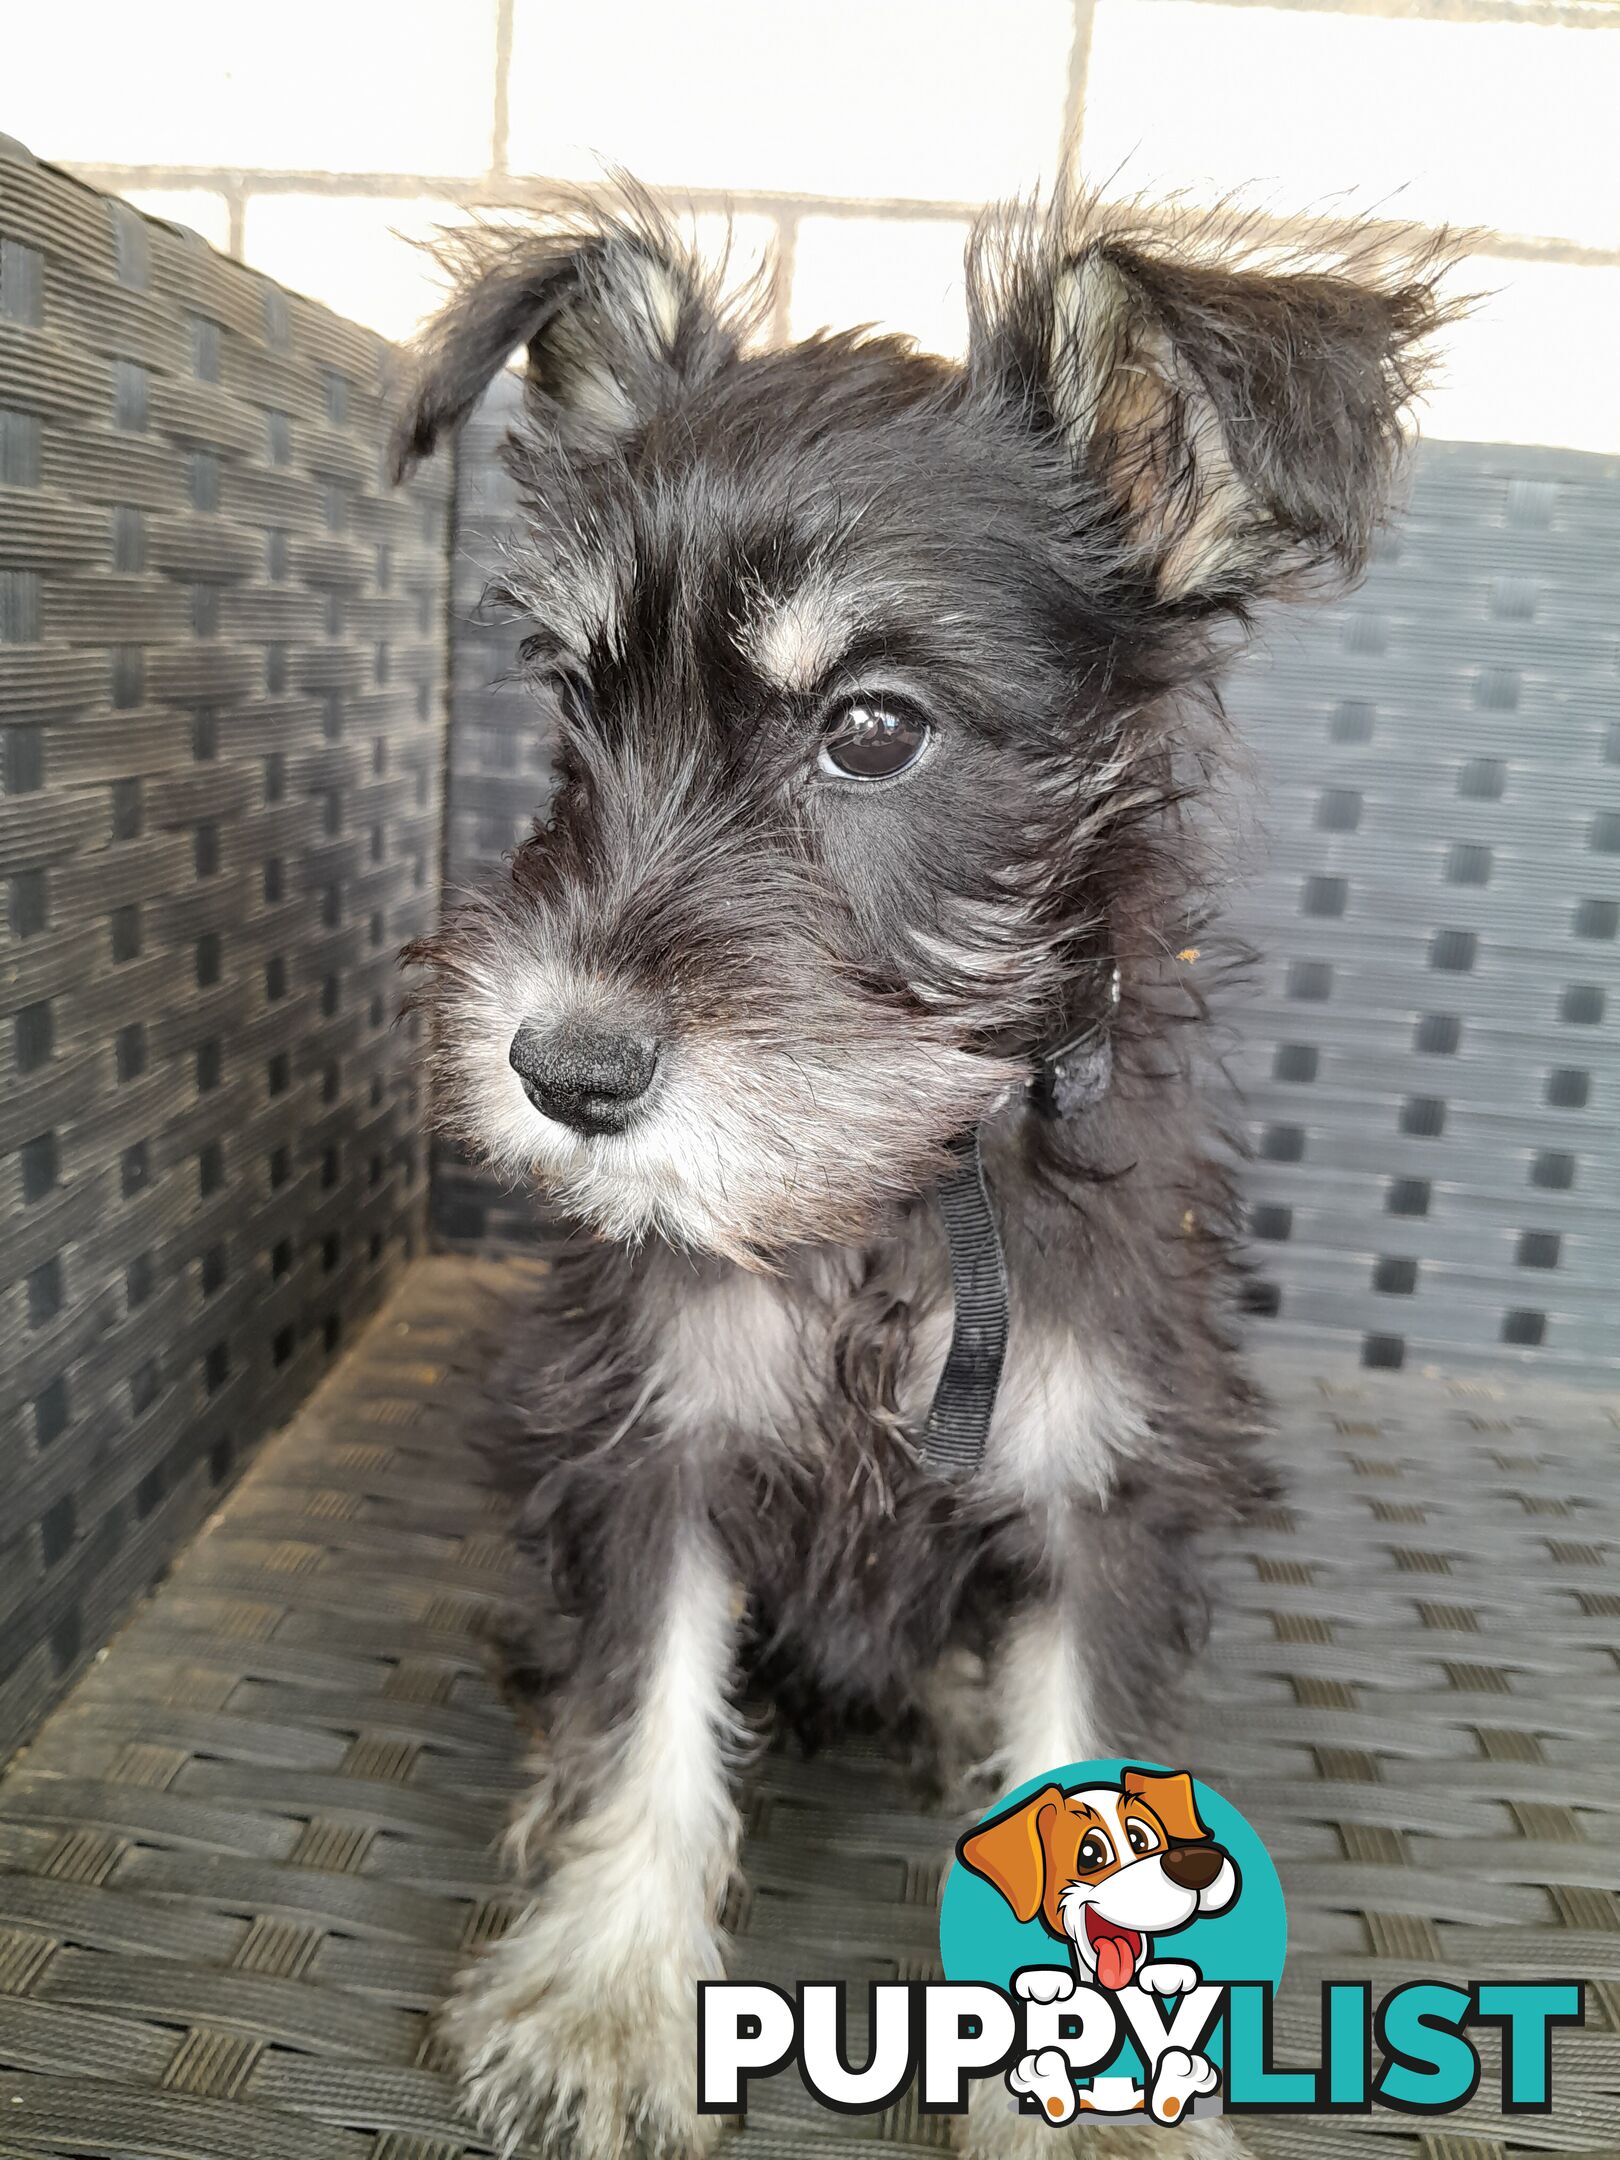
(587, 1077)
(1193, 1867)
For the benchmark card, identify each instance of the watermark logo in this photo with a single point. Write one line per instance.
(1116, 1903)
(1112, 1936)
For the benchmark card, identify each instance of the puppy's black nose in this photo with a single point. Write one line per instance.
(1193, 1867)
(585, 1076)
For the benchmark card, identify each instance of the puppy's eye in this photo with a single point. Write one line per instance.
(1095, 1851)
(873, 738)
(1141, 1838)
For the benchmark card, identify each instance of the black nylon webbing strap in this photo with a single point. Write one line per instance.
(959, 1419)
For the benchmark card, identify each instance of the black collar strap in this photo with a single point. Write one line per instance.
(1073, 1076)
(965, 1399)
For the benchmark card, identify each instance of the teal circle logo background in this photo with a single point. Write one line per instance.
(980, 1938)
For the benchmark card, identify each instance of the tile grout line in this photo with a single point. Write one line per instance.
(523, 192)
(786, 272)
(500, 131)
(1074, 95)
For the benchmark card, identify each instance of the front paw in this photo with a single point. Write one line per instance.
(1046, 2079)
(1044, 1983)
(1167, 1976)
(1178, 2078)
(563, 2057)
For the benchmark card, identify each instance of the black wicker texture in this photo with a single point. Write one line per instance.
(499, 769)
(1431, 1064)
(1429, 1070)
(221, 739)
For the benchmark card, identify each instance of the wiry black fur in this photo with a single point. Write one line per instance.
(1048, 547)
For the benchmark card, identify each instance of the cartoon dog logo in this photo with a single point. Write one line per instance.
(1108, 1870)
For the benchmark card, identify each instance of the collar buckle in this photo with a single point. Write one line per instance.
(1075, 1074)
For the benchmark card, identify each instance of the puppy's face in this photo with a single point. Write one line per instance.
(861, 668)
(804, 669)
(1107, 1868)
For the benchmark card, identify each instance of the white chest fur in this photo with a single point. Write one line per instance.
(751, 1357)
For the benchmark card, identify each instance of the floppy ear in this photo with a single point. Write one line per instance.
(1170, 1796)
(615, 313)
(1008, 1853)
(1243, 422)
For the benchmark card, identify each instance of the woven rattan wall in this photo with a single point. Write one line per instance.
(1430, 1090)
(221, 710)
(499, 769)
(1432, 1072)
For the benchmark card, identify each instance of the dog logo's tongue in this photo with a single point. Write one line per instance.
(1117, 1949)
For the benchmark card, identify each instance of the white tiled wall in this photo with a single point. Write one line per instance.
(322, 138)
(354, 86)
(1505, 124)
(881, 270)
(947, 100)
(364, 255)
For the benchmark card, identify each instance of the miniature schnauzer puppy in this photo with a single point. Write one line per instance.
(883, 690)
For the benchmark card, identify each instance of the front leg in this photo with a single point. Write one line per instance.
(1082, 1671)
(578, 2028)
(1089, 1665)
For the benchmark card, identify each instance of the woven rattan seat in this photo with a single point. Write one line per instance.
(243, 1857)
